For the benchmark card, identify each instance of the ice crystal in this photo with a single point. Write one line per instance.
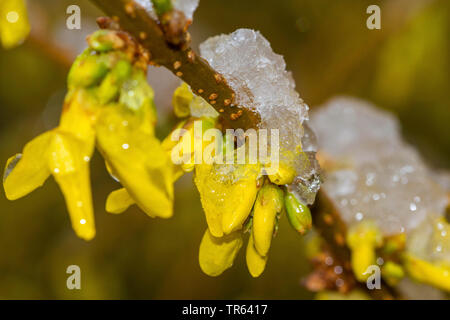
(259, 78)
(380, 177)
(186, 6)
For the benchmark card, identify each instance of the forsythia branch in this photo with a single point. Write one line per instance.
(328, 223)
(183, 62)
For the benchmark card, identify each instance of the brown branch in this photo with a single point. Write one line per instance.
(184, 63)
(327, 221)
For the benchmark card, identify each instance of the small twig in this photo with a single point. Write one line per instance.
(184, 63)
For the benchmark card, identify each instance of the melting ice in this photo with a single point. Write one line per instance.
(261, 83)
(380, 177)
(186, 6)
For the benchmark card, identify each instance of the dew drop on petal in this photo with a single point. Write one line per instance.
(12, 16)
(359, 216)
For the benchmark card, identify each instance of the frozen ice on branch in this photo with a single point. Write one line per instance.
(376, 175)
(380, 186)
(186, 6)
(259, 78)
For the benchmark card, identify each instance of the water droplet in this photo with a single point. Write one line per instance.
(83, 221)
(338, 269)
(56, 170)
(412, 206)
(329, 261)
(380, 261)
(359, 216)
(79, 204)
(12, 16)
(376, 197)
(11, 165)
(125, 146)
(86, 158)
(339, 282)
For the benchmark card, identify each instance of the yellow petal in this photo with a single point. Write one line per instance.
(362, 257)
(284, 175)
(210, 204)
(242, 195)
(392, 272)
(268, 204)
(69, 163)
(14, 26)
(182, 97)
(217, 254)
(362, 240)
(255, 262)
(435, 274)
(29, 170)
(137, 159)
(118, 201)
(78, 115)
(227, 194)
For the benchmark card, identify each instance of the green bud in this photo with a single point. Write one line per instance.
(298, 214)
(110, 87)
(248, 224)
(105, 40)
(208, 123)
(228, 144)
(87, 70)
(392, 272)
(162, 6)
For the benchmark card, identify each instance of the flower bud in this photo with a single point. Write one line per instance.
(268, 203)
(217, 254)
(362, 240)
(256, 263)
(298, 214)
(435, 274)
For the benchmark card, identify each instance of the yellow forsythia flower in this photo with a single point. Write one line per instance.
(435, 274)
(217, 254)
(256, 263)
(109, 104)
(14, 25)
(119, 200)
(65, 154)
(227, 193)
(362, 240)
(268, 204)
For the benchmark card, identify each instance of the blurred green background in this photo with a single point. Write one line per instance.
(404, 67)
